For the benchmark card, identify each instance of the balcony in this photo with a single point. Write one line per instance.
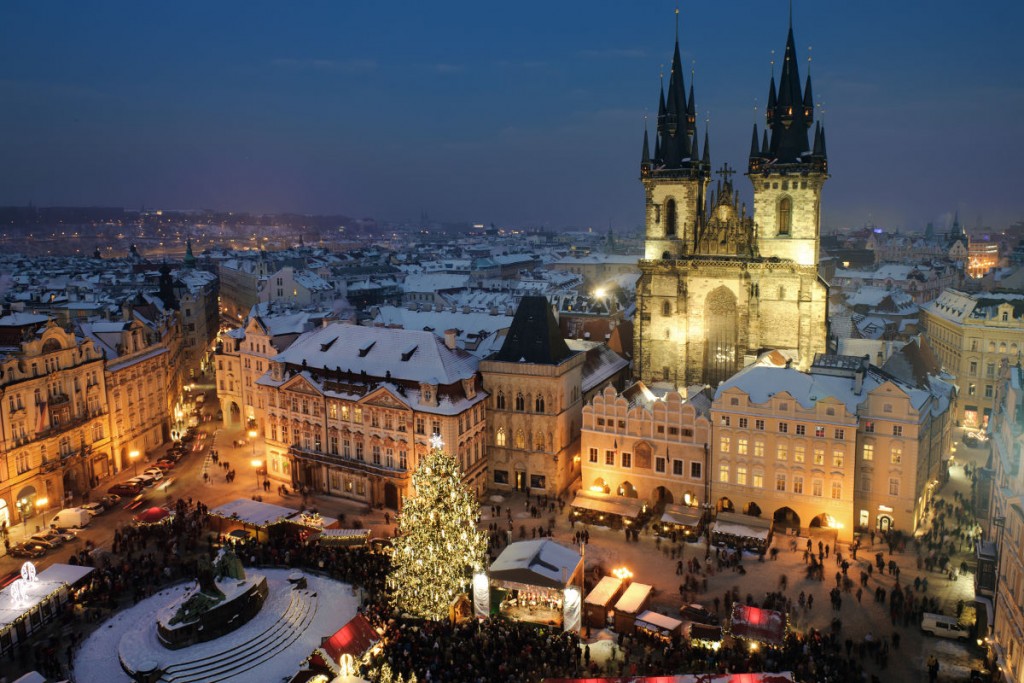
(351, 464)
(68, 424)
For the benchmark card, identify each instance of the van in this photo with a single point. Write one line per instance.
(71, 518)
(942, 626)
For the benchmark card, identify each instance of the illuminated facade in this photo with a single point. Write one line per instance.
(639, 445)
(972, 335)
(718, 286)
(54, 419)
(350, 410)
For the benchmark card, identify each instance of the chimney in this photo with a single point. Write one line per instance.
(449, 338)
(858, 377)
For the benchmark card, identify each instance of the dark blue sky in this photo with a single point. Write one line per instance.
(516, 113)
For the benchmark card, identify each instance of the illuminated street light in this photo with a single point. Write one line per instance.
(134, 457)
(257, 464)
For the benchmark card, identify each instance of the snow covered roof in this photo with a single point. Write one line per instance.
(434, 282)
(536, 563)
(381, 352)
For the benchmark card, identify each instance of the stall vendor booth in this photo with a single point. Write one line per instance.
(348, 538)
(602, 509)
(32, 601)
(344, 652)
(539, 582)
(633, 602)
(658, 626)
(600, 600)
(683, 520)
(761, 625)
(781, 677)
(704, 635)
(266, 519)
(742, 531)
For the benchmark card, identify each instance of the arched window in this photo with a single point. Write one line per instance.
(499, 437)
(671, 219)
(538, 441)
(520, 439)
(539, 404)
(666, 308)
(501, 400)
(520, 403)
(785, 215)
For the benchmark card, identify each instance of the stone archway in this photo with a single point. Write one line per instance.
(627, 490)
(785, 518)
(234, 414)
(884, 523)
(662, 496)
(823, 521)
(5, 515)
(725, 505)
(71, 483)
(752, 509)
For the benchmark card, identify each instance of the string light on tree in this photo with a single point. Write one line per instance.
(438, 545)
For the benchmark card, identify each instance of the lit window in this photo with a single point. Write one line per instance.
(723, 473)
(781, 452)
(837, 458)
(741, 446)
(759, 449)
(897, 454)
(837, 490)
(798, 453)
(724, 444)
(741, 475)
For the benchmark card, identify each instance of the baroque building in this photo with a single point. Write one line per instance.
(54, 422)
(719, 286)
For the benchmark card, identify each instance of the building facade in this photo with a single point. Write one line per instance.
(350, 411)
(972, 335)
(653, 448)
(55, 423)
(718, 286)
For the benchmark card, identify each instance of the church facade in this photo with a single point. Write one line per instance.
(718, 285)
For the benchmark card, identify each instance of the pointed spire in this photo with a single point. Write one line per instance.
(691, 108)
(824, 151)
(754, 152)
(707, 149)
(764, 143)
(816, 151)
(645, 156)
(769, 111)
(694, 150)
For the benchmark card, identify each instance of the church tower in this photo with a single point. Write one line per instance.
(718, 286)
(787, 173)
(676, 176)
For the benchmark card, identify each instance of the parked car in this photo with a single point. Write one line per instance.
(942, 626)
(110, 500)
(47, 539)
(165, 464)
(94, 508)
(125, 489)
(154, 472)
(971, 440)
(28, 549)
(699, 614)
(146, 480)
(65, 534)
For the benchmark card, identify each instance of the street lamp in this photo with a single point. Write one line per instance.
(257, 464)
(23, 505)
(133, 456)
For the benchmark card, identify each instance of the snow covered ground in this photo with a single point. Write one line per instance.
(132, 632)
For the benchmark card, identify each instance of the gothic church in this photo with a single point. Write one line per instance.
(718, 286)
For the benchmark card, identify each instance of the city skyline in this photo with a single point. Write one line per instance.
(516, 116)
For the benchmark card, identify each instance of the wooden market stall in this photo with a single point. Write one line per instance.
(600, 600)
(534, 578)
(742, 531)
(684, 520)
(602, 509)
(633, 602)
(659, 626)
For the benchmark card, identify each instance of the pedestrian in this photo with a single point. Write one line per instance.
(387, 518)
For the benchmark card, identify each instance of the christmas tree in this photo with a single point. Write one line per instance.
(438, 545)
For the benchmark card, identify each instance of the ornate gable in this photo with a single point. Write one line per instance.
(385, 399)
(301, 385)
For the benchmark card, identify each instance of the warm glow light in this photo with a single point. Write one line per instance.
(622, 573)
(599, 293)
(257, 463)
(133, 454)
(41, 502)
(253, 433)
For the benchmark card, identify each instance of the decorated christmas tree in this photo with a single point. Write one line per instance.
(438, 545)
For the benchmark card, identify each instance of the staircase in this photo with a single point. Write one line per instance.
(249, 654)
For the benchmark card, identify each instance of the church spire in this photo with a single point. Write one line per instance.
(754, 151)
(706, 159)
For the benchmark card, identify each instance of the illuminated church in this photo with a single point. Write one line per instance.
(718, 286)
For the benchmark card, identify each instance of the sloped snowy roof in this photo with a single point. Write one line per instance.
(381, 352)
(536, 563)
(434, 282)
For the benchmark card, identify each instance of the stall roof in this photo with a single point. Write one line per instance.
(633, 599)
(755, 623)
(744, 526)
(46, 584)
(683, 515)
(536, 563)
(604, 591)
(658, 620)
(354, 638)
(613, 505)
(262, 515)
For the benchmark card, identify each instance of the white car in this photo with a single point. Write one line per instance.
(94, 508)
(155, 472)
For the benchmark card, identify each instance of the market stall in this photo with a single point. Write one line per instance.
(683, 520)
(35, 599)
(602, 509)
(704, 635)
(761, 625)
(781, 677)
(344, 652)
(633, 602)
(343, 537)
(658, 626)
(266, 517)
(538, 582)
(742, 531)
(599, 601)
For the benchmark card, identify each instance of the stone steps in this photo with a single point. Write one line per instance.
(246, 655)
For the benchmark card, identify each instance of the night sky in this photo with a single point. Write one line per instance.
(525, 113)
